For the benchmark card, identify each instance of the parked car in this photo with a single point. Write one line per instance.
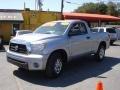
(21, 32)
(55, 43)
(112, 32)
(118, 32)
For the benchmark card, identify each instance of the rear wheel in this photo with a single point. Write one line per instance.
(99, 56)
(54, 65)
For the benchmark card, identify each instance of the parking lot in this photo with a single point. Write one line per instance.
(80, 74)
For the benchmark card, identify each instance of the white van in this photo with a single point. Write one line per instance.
(112, 32)
(21, 32)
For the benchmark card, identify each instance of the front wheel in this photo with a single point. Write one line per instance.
(99, 56)
(54, 65)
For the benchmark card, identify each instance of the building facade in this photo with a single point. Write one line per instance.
(12, 20)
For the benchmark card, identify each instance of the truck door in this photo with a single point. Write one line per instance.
(79, 39)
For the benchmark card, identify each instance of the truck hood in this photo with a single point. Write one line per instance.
(34, 37)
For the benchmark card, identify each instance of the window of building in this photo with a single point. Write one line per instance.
(15, 28)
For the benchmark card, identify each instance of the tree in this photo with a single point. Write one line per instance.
(112, 9)
(118, 8)
(87, 8)
(39, 4)
(101, 8)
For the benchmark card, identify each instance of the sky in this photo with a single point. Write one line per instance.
(52, 5)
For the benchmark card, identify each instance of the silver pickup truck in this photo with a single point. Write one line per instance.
(55, 43)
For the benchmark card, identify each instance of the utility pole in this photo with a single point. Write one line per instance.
(24, 5)
(62, 6)
(35, 4)
(39, 4)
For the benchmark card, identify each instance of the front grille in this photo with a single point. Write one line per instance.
(20, 48)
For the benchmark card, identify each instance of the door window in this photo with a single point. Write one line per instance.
(101, 30)
(78, 29)
(110, 30)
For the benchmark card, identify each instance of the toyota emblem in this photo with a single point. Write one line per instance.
(16, 48)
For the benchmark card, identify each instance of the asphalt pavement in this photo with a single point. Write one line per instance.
(80, 74)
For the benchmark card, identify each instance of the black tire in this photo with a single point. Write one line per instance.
(51, 67)
(22, 69)
(99, 56)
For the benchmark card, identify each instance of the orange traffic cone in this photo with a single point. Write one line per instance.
(99, 86)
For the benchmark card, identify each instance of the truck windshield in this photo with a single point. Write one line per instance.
(57, 28)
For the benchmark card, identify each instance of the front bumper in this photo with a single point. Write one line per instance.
(18, 63)
(30, 62)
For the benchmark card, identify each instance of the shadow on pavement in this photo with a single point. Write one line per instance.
(115, 45)
(75, 71)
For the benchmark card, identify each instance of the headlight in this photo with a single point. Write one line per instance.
(29, 48)
(38, 48)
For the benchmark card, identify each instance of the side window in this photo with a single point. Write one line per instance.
(110, 30)
(83, 29)
(75, 29)
(78, 29)
(101, 30)
(15, 28)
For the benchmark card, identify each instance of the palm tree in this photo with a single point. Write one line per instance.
(38, 4)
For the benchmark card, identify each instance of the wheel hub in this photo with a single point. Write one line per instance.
(101, 53)
(58, 66)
